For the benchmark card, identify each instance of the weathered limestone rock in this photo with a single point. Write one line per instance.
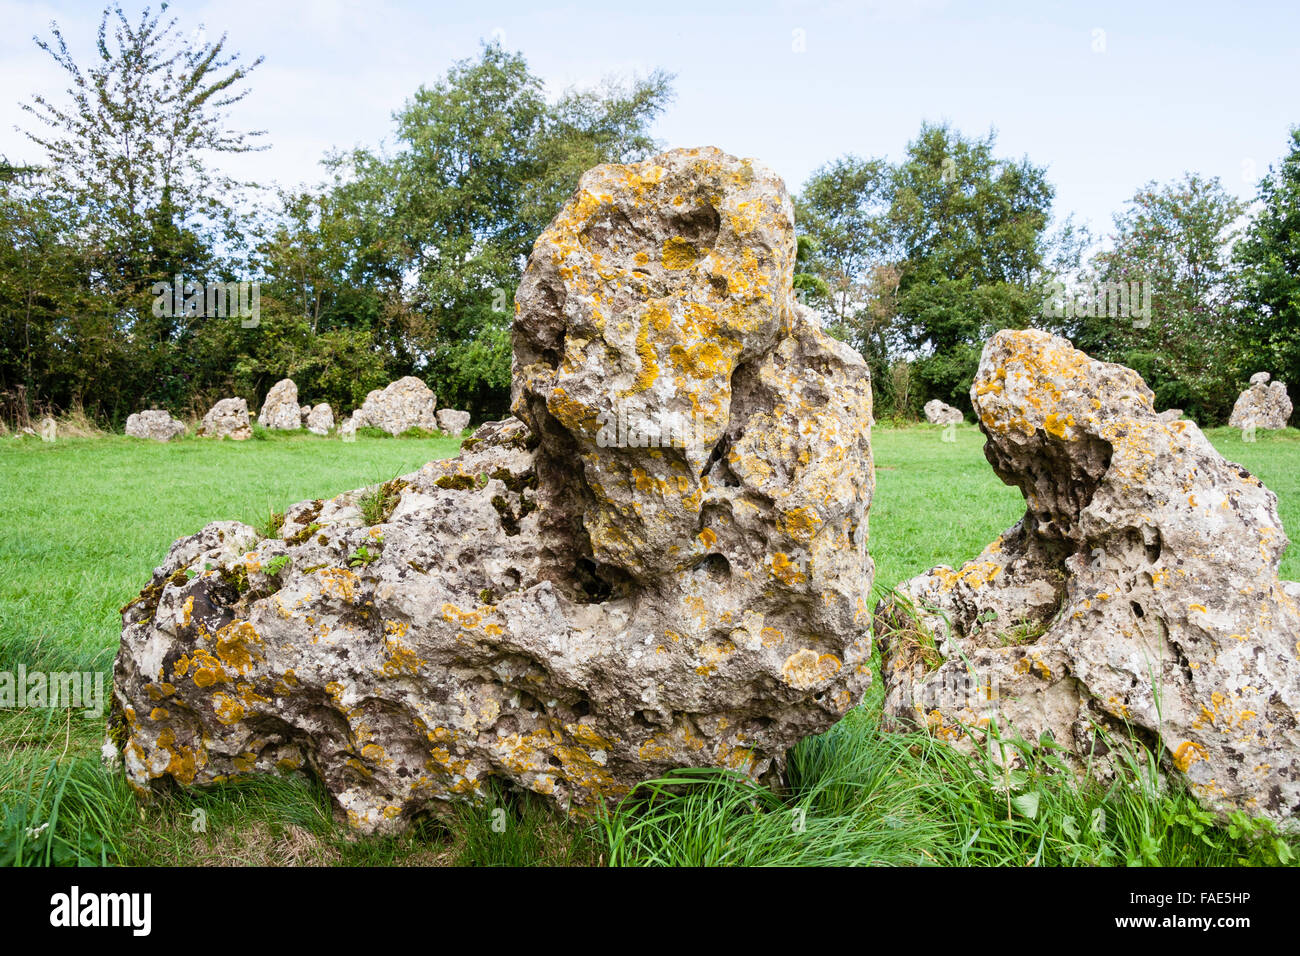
(941, 413)
(451, 421)
(556, 608)
(49, 430)
(304, 412)
(406, 403)
(1140, 590)
(1263, 405)
(348, 430)
(227, 419)
(320, 420)
(1171, 414)
(281, 410)
(155, 424)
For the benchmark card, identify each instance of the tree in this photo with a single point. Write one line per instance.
(1176, 237)
(130, 152)
(842, 210)
(970, 234)
(1269, 279)
(483, 163)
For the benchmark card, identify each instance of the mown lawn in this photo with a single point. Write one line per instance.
(87, 519)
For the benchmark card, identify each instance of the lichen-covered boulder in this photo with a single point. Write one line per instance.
(155, 424)
(452, 421)
(564, 612)
(1171, 414)
(320, 420)
(228, 418)
(941, 413)
(1139, 592)
(49, 429)
(1263, 405)
(404, 404)
(280, 410)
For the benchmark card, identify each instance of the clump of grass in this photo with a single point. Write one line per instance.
(901, 628)
(378, 502)
(861, 795)
(271, 525)
(514, 828)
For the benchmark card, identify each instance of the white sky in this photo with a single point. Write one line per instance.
(1168, 88)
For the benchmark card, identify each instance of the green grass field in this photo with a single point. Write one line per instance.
(87, 519)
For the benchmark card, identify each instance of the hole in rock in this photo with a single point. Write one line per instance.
(716, 566)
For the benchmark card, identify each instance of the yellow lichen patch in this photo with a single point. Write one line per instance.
(237, 644)
(801, 523)
(679, 254)
(588, 737)
(712, 654)
(1187, 754)
(183, 762)
(702, 360)
(771, 637)
(805, 669)
(974, 574)
(935, 724)
(158, 691)
(340, 583)
(204, 669)
(707, 538)
(786, 571)
(159, 713)
(466, 619)
(1032, 665)
(1059, 425)
(228, 710)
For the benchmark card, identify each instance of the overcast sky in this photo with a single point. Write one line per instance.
(1105, 95)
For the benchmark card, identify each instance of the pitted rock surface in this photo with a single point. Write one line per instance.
(401, 405)
(280, 410)
(550, 608)
(227, 419)
(1140, 590)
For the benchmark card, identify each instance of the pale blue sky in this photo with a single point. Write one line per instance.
(1162, 88)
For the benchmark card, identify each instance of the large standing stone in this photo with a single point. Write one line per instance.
(155, 424)
(281, 410)
(404, 404)
(941, 413)
(1262, 405)
(227, 419)
(451, 421)
(1139, 591)
(320, 420)
(562, 606)
(49, 430)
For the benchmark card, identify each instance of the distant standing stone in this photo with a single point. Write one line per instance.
(227, 419)
(49, 429)
(406, 403)
(320, 420)
(155, 424)
(1264, 405)
(941, 413)
(281, 410)
(452, 421)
